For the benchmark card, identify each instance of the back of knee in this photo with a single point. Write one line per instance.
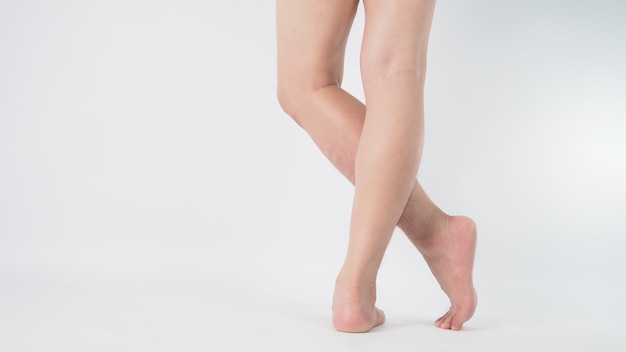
(383, 66)
(380, 74)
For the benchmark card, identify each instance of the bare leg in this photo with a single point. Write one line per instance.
(309, 92)
(393, 64)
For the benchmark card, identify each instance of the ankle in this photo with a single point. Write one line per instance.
(430, 235)
(353, 281)
(353, 296)
(437, 221)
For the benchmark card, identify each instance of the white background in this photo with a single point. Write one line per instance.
(153, 196)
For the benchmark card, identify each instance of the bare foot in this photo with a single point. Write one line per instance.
(354, 307)
(449, 247)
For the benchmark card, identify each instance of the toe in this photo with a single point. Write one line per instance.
(456, 324)
(445, 321)
(440, 321)
(457, 321)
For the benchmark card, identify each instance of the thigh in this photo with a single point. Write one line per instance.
(311, 40)
(396, 36)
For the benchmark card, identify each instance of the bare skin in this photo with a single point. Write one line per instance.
(378, 149)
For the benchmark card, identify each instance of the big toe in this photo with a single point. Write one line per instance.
(456, 323)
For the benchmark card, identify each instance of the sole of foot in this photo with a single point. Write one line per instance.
(449, 250)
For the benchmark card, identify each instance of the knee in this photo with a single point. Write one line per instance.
(287, 97)
(296, 93)
(294, 98)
